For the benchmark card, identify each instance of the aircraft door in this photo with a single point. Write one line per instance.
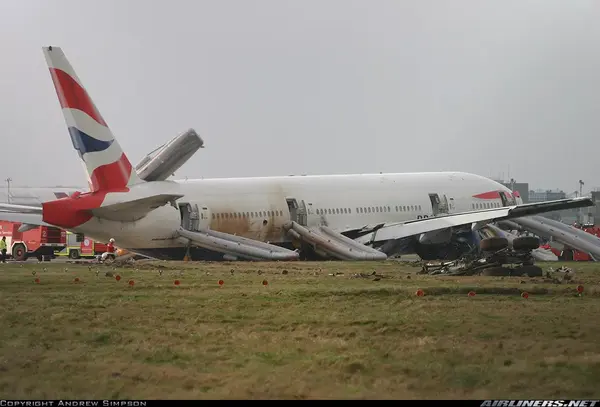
(302, 213)
(438, 206)
(205, 216)
(507, 199)
(190, 216)
(297, 211)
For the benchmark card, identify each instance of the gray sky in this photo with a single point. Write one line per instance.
(279, 87)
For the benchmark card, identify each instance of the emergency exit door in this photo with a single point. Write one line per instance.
(439, 206)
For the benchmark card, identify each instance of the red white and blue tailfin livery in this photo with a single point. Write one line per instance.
(107, 166)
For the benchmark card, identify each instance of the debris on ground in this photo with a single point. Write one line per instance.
(563, 269)
(465, 266)
(364, 275)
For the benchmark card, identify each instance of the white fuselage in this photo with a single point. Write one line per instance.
(258, 208)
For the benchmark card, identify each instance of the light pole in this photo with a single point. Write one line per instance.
(581, 183)
(8, 181)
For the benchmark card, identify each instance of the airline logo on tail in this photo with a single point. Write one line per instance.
(107, 166)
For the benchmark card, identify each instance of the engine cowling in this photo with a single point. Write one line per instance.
(436, 236)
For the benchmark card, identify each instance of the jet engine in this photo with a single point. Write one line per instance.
(436, 236)
(169, 157)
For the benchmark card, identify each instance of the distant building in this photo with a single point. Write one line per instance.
(546, 195)
(542, 195)
(593, 212)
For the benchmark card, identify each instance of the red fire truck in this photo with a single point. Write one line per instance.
(78, 246)
(39, 242)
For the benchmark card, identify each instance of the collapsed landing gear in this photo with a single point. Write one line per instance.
(498, 253)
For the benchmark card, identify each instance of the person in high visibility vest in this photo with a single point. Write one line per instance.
(110, 250)
(3, 249)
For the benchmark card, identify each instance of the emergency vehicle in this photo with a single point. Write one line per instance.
(78, 246)
(40, 242)
(570, 254)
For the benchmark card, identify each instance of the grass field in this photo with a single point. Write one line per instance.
(307, 334)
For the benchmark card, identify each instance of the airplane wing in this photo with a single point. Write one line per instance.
(399, 230)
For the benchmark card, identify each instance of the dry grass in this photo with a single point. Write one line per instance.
(305, 335)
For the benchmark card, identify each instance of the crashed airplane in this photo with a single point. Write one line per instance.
(350, 217)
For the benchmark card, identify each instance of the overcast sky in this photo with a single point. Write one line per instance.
(279, 87)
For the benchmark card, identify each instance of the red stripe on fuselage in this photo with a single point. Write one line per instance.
(488, 195)
(113, 176)
(72, 95)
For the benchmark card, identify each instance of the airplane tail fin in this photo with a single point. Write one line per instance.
(107, 166)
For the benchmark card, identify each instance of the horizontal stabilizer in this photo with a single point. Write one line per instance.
(20, 208)
(130, 211)
(25, 218)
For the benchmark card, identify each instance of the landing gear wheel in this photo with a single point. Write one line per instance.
(530, 271)
(492, 244)
(19, 253)
(526, 243)
(496, 272)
